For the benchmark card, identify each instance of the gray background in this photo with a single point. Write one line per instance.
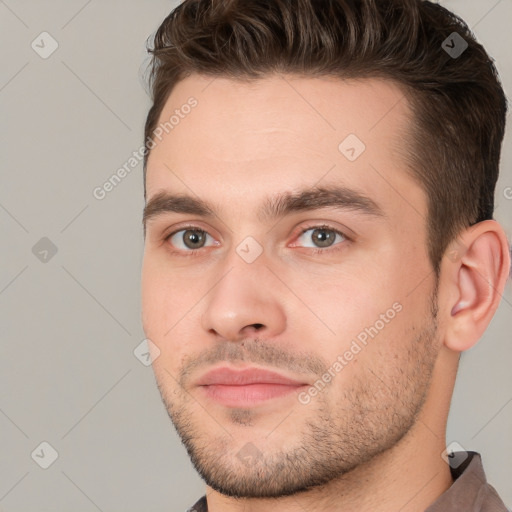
(70, 324)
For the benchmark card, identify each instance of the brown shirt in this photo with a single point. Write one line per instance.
(469, 492)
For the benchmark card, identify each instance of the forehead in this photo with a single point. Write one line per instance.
(243, 140)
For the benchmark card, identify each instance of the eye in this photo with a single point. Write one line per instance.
(188, 239)
(322, 236)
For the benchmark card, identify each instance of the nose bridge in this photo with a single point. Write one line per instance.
(242, 297)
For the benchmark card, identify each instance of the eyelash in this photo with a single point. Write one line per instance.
(195, 252)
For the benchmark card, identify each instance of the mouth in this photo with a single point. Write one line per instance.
(248, 387)
(247, 395)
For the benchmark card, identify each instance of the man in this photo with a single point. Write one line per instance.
(320, 248)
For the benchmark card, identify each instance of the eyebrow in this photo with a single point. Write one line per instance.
(277, 206)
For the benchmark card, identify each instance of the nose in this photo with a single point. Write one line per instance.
(245, 302)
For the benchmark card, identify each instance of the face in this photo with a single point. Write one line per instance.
(311, 262)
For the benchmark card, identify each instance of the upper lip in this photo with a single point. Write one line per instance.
(229, 376)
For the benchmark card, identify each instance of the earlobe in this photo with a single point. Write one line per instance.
(477, 279)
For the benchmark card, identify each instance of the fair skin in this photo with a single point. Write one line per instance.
(373, 438)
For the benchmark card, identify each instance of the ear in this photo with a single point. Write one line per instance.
(477, 266)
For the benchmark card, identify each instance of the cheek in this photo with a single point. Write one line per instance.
(150, 297)
(348, 299)
(159, 297)
(366, 316)
(167, 306)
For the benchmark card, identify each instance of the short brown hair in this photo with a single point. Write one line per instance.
(459, 107)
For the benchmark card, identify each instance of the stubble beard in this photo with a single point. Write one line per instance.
(372, 414)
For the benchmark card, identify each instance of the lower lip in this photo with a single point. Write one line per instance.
(250, 394)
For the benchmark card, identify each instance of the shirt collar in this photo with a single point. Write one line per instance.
(468, 486)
